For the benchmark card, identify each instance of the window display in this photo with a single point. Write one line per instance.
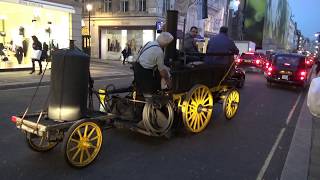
(115, 40)
(48, 24)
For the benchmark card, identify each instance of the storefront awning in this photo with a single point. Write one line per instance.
(43, 4)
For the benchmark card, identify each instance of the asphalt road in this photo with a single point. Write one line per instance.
(237, 149)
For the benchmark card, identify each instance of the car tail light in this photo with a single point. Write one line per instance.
(269, 71)
(258, 61)
(14, 119)
(238, 60)
(308, 62)
(303, 73)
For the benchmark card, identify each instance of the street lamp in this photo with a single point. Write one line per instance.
(89, 9)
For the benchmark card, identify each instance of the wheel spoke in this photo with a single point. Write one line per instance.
(92, 139)
(72, 149)
(74, 140)
(76, 154)
(196, 122)
(85, 131)
(41, 141)
(79, 133)
(88, 154)
(91, 132)
(81, 155)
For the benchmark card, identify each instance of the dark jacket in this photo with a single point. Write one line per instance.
(36, 45)
(220, 43)
(189, 44)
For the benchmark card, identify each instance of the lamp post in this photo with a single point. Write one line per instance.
(89, 9)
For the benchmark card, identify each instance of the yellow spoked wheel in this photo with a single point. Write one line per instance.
(197, 108)
(82, 143)
(231, 103)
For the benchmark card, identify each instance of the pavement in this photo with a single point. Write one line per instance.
(100, 69)
(303, 159)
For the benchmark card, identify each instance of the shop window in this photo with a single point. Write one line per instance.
(107, 5)
(141, 5)
(124, 5)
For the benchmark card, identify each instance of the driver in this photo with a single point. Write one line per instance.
(150, 67)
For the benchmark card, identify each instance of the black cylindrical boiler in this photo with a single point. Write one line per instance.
(69, 85)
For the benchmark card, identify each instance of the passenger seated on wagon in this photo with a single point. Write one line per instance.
(221, 43)
(150, 67)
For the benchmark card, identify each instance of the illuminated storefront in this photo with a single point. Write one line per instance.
(115, 39)
(21, 19)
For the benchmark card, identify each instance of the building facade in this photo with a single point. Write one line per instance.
(52, 22)
(117, 23)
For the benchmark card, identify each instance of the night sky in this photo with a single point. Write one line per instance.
(307, 15)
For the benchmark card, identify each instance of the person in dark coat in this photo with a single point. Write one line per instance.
(36, 45)
(44, 54)
(221, 43)
(126, 52)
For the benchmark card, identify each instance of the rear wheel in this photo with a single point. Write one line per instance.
(82, 143)
(38, 143)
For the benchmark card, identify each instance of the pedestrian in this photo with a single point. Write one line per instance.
(189, 43)
(44, 54)
(37, 47)
(126, 52)
(221, 43)
(149, 67)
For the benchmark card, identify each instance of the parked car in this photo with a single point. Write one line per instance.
(288, 69)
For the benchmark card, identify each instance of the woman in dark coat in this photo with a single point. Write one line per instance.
(36, 45)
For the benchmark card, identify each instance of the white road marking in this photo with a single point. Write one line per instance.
(270, 155)
(293, 109)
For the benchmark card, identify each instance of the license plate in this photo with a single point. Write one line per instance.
(247, 61)
(284, 77)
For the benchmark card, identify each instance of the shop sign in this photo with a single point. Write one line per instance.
(30, 3)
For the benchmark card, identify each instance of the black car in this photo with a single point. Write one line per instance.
(289, 69)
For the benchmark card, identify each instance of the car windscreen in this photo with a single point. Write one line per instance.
(288, 61)
(247, 56)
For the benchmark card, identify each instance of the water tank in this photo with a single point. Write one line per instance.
(69, 85)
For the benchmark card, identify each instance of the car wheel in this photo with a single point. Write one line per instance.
(240, 83)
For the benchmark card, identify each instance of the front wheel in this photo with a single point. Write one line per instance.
(231, 103)
(82, 143)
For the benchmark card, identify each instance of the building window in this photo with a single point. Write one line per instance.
(124, 5)
(166, 5)
(142, 5)
(107, 5)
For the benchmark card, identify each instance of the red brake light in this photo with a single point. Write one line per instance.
(258, 61)
(303, 73)
(270, 69)
(14, 119)
(238, 60)
(301, 78)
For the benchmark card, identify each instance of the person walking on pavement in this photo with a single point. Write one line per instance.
(126, 52)
(221, 43)
(44, 54)
(37, 47)
(150, 68)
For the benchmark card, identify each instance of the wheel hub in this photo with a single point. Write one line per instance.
(199, 109)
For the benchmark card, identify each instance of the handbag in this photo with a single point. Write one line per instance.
(313, 99)
(36, 54)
